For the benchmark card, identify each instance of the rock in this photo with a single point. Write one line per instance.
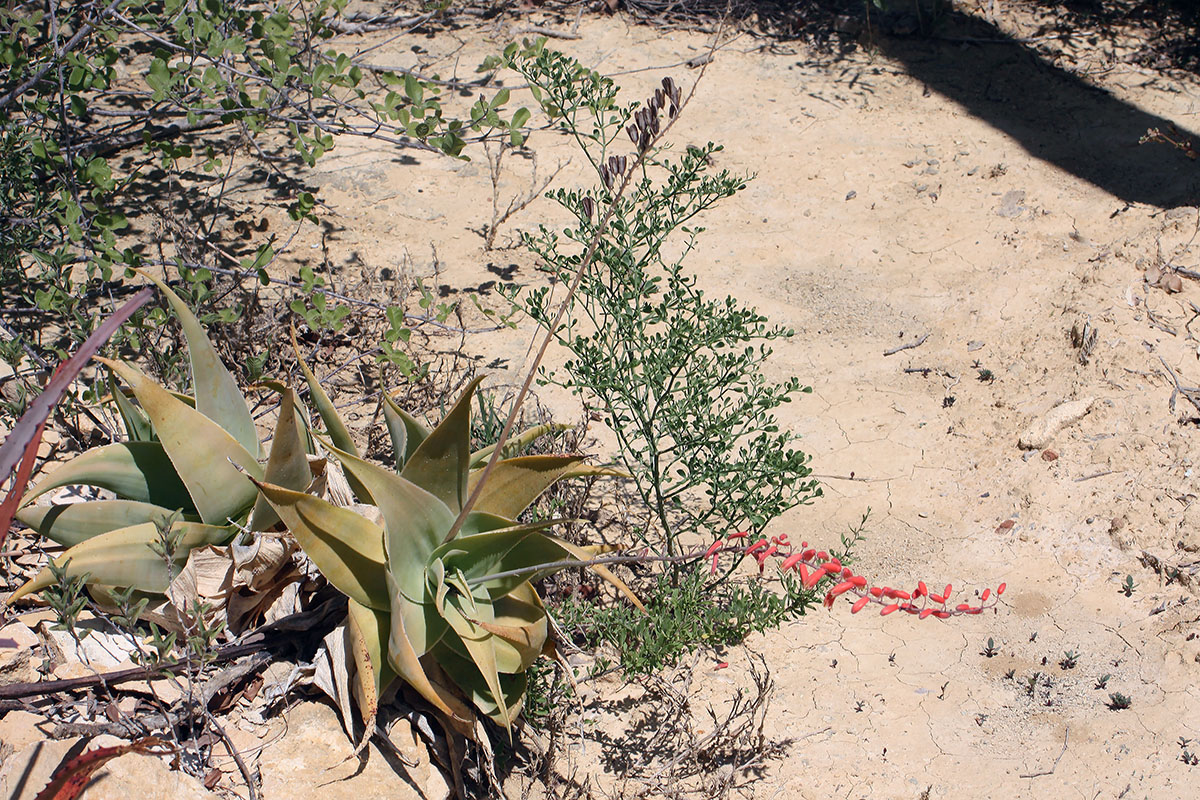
(1010, 204)
(1049, 455)
(18, 654)
(1039, 434)
(316, 744)
(145, 777)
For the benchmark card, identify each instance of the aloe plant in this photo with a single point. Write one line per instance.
(457, 618)
(184, 457)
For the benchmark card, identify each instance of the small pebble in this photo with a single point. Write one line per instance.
(1049, 455)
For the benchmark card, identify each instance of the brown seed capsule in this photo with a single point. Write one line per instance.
(633, 133)
(589, 207)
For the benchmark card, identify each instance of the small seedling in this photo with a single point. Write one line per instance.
(1102, 681)
(989, 649)
(1010, 674)
(1070, 660)
(1033, 636)
(1128, 586)
(1119, 702)
(986, 375)
(1031, 684)
(1190, 758)
(860, 706)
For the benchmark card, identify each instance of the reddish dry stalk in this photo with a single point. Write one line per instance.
(813, 566)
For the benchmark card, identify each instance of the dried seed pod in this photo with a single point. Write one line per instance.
(633, 133)
(659, 98)
(589, 207)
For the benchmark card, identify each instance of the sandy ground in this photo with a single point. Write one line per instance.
(991, 201)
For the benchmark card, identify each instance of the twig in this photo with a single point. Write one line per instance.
(1054, 766)
(1186, 391)
(909, 346)
(1100, 474)
(547, 32)
(233, 751)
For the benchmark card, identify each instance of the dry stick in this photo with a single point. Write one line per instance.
(908, 346)
(1186, 391)
(233, 751)
(552, 328)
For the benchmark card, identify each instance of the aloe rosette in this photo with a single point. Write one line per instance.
(457, 618)
(184, 457)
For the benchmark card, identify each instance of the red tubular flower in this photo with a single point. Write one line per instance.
(946, 591)
(803, 573)
(942, 614)
(900, 594)
(814, 579)
(858, 605)
(781, 539)
(889, 609)
(770, 551)
(832, 567)
(858, 580)
(841, 588)
(847, 573)
(937, 598)
(752, 549)
(986, 594)
(807, 555)
(925, 613)
(712, 548)
(739, 535)
(963, 607)
(791, 561)
(821, 555)
(716, 557)
(922, 589)
(1000, 588)
(876, 591)
(829, 600)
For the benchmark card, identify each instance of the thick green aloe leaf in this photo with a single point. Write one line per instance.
(514, 547)
(217, 394)
(405, 659)
(471, 681)
(288, 463)
(138, 471)
(333, 421)
(71, 523)
(441, 463)
(517, 443)
(367, 630)
(466, 616)
(423, 626)
(414, 519)
(515, 483)
(406, 431)
(199, 448)
(137, 425)
(519, 630)
(125, 557)
(346, 547)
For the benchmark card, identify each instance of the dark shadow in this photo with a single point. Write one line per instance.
(1055, 115)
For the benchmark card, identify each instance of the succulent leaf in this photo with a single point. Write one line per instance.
(405, 430)
(515, 483)
(441, 462)
(517, 443)
(367, 630)
(347, 548)
(138, 471)
(407, 663)
(216, 392)
(466, 614)
(287, 465)
(137, 425)
(200, 449)
(338, 433)
(71, 523)
(470, 680)
(126, 557)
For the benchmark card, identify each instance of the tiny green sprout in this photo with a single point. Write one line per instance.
(1070, 660)
(986, 375)
(1010, 674)
(1128, 586)
(1102, 681)
(1031, 684)
(989, 649)
(1119, 702)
